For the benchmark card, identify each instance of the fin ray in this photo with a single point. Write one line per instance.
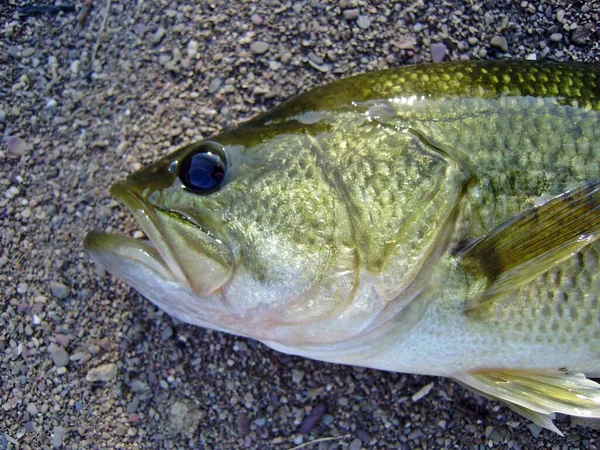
(538, 395)
(531, 243)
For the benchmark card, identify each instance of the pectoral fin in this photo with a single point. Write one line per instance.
(531, 243)
(538, 395)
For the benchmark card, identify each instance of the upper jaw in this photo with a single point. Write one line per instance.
(178, 250)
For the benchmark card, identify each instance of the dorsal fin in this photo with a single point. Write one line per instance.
(531, 243)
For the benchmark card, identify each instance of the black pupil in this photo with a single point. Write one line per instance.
(202, 172)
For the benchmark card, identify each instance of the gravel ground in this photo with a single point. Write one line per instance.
(85, 361)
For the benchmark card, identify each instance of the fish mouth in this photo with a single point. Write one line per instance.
(177, 249)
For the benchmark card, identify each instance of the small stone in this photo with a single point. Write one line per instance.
(286, 57)
(259, 47)
(580, 36)
(422, 392)
(22, 288)
(184, 418)
(406, 43)
(356, 444)
(535, 429)
(500, 43)
(59, 355)
(166, 334)
(62, 339)
(274, 65)
(158, 36)
(32, 409)
(12, 192)
(133, 405)
(59, 290)
(343, 401)
(243, 424)
(16, 146)
(74, 67)
(51, 104)
(363, 22)
(320, 67)
(214, 85)
(2, 116)
(556, 37)
(351, 14)
(103, 373)
(138, 386)
(415, 434)
(560, 16)
(297, 375)
(312, 418)
(28, 52)
(438, 52)
(315, 58)
(256, 19)
(58, 436)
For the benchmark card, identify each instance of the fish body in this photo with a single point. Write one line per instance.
(436, 219)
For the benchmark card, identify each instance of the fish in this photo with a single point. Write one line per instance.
(432, 219)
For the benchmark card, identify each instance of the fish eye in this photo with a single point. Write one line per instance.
(203, 170)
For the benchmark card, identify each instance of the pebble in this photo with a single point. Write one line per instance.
(28, 52)
(158, 36)
(103, 373)
(51, 104)
(580, 36)
(59, 355)
(500, 43)
(535, 429)
(12, 192)
(184, 418)
(259, 47)
(438, 52)
(214, 85)
(256, 19)
(286, 57)
(297, 376)
(422, 392)
(320, 67)
(407, 43)
(315, 58)
(32, 409)
(2, 115)
(59, 290)
(58, 436)
(16, 146)
(356, 444)
(556, 37)
(351, 14)
(133, 405)
(312, 418)
(363, 22)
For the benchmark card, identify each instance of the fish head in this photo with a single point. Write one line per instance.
(283, 229)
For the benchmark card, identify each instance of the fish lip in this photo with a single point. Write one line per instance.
(142, 213)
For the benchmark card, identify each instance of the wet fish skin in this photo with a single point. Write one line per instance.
(414, 219)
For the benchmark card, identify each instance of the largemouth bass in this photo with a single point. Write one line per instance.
(436, 219)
